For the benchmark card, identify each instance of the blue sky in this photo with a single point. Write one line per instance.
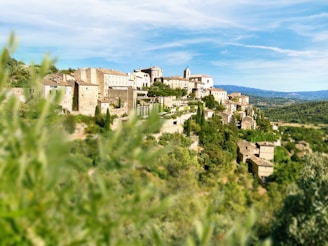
(277, 45)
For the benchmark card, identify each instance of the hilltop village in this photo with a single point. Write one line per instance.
(120, 93)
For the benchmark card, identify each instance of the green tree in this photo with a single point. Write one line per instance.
(69, 123)
(107, 120)
(97, 111)
(187, 127)
(210, 102)
(119, 105)
(303, 219)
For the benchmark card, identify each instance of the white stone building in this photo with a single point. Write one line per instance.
(139, 79)
(104, 78)
(207, 81)
(219, 95)
(55, 84)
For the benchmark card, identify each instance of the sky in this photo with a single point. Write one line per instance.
(279, 45)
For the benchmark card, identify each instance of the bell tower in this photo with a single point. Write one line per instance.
(186, 73)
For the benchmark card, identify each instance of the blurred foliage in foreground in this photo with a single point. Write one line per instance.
(128, 188)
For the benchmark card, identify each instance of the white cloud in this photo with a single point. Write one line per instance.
(287, 52)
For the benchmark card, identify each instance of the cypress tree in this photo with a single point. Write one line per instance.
(97, 111)
(107, 120)
(188, 128)
(202, 117)
(199, 113)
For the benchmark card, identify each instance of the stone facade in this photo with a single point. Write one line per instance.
(226, 117)
(206, 80)
(56, 83)
(247, 123)
(139, 79)
(261, 168)
(154, 72)
(127, 96)
(266, 150)
(176, 82)
(104, 78)
(85, 97)
(219, 95)
(258, 157)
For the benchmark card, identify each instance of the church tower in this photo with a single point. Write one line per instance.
(186, 73)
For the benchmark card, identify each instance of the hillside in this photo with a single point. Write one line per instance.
(19, 73)
(309, 112)
(273, 102)
(304, 95)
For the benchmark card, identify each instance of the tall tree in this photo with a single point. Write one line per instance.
(107, 120)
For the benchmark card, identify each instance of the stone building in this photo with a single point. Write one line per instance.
(54, 84)
(258, 157)
(239, 98)
(266, 150)
(247, 122)
(139, 79)
(261, 168)
(245, 150)
(219, 95)
(127, 97)
(103, 104)
(154, 72)
(175, 82)
(226, 117)
(85, 97)
(104, 78)
(206, 80)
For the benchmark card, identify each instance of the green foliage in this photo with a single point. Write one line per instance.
(187, 127)
(107, 120)
(20, 74)
(210, 102)
(269, 102)
(69, 123)
(97, 111)
(315, 137)
(219, 142)
(303, 219)
(160, 89)
(262, 122)
(258, 136)
(67, 71)
(281, 155)
(305, 113)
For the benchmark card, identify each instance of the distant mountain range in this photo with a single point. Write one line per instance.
(303, 95)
